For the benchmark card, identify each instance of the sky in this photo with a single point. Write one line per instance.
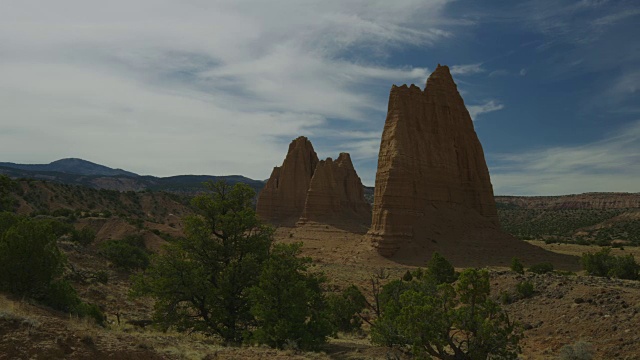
(222, 87)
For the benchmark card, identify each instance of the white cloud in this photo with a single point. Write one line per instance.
(467, 69)
(611, 163)
(500, 72)
(190, 86)
(489, 106)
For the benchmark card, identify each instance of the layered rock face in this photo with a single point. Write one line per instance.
(309, 190)
(284, 196)
(335, 193)
(431, 167)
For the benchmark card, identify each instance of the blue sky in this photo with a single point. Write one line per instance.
(222, 87)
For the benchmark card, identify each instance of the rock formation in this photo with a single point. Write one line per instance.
(432, 174)
(309, 190)
(336, 193)
(283, 197)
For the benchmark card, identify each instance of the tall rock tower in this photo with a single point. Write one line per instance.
(336, 193)
(305, 189)
(283, 197)
(431, 168)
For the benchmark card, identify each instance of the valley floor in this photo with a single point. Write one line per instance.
(564, 309)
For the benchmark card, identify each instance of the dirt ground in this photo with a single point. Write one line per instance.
(563, 310)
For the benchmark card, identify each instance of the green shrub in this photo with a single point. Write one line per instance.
(505, 298)
(625, 267)
(34, 243)
(84, 236)
(62, 296)
(446, 321)
(541, 268)
(58, 227)
(344, 309)
(517, 266)
(602, 263)
(92, 311)
(124, 254)
(525, 289)
(441, 269)
(599, 263)
(288, 303)
(407, 276)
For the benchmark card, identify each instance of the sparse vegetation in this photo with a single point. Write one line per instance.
(580, 350)
(84, 236)
(7, 186)
(226, 278)
(25, 241)
(562, 225)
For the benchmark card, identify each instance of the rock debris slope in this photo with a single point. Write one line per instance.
(305, 189)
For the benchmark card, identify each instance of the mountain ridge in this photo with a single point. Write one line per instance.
(75, 171)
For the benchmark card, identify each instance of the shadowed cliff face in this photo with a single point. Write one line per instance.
(430, 158)
(309, 190)
(283, 197)
(336, 193)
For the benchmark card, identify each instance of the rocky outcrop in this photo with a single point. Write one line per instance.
(283, 197)
(336, 193)
(305, 190)
(431, 168)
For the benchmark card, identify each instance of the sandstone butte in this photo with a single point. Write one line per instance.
(309, 190)
(432, 190)
(336, 194)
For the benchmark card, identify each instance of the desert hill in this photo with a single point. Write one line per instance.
(156, 216)
(591, 218)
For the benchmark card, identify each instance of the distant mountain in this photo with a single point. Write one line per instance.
(71, 166)
(88, 174)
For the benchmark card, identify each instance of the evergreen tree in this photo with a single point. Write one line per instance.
(201, 282)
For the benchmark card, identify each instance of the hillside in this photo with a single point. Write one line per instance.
(563, 309)
(70, 166)
(91, 175)
(592, 218)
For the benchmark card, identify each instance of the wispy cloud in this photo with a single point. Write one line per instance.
(489, 106)
(500, 72)
(611, 163)
(173, 87)
(467, 69)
